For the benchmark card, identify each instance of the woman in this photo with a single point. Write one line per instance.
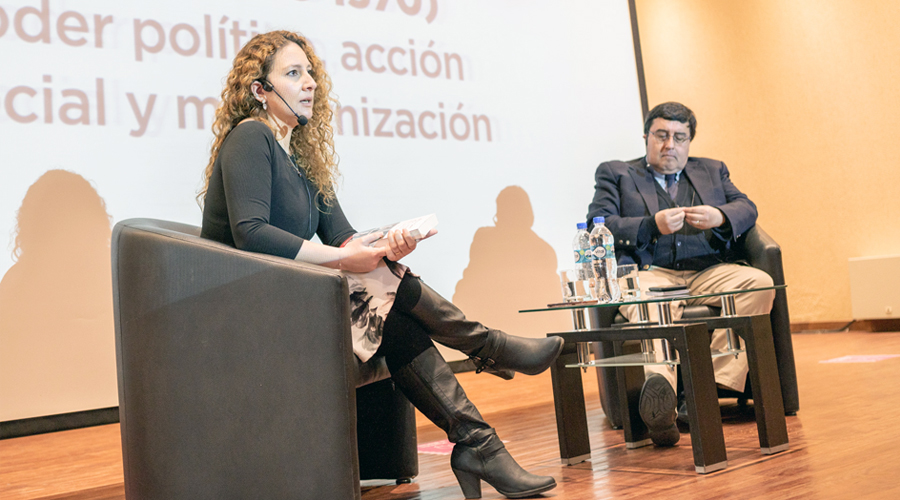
(270, 187)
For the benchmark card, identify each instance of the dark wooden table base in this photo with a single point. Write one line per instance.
(691, 340)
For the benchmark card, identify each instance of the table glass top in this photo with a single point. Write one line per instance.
(647, 300)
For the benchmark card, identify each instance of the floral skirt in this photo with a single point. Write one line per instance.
(371, 298)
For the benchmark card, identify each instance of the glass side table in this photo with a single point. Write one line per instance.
(685, 343)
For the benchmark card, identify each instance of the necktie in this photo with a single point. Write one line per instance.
(671, 185)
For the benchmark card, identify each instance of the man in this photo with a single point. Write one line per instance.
(678, 218)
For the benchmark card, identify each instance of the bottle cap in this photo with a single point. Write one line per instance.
(599, 220)
(581, 225)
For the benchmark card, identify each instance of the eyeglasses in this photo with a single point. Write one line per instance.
(663, 137)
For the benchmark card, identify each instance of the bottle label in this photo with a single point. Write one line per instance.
(581, 256)
(599, 252)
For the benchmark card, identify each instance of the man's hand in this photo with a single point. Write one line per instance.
(670, 220)
(704, 217)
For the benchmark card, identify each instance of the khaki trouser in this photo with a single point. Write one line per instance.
(730, 372)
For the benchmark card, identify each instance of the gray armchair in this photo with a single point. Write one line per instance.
(237, 378)
(761, 252)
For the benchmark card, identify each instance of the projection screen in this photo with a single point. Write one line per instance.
(105, 114)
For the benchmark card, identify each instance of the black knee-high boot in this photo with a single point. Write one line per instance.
(492, 350)
(479, 454)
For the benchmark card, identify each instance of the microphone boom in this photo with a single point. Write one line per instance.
(302, 120)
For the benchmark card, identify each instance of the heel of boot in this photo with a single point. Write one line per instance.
(469, 483)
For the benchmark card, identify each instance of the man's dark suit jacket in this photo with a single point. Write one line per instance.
(625, 194)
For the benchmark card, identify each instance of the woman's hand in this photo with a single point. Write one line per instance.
(399, 244)
(360, 256)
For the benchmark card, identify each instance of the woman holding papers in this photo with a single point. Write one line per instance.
(270, 187)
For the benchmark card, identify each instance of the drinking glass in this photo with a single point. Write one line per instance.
(575, 286)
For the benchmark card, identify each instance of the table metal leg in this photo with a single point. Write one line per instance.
(644, 317)
(571, 415)
(583, 348)
(729, 310)
(630, 381)
(665, 319)
(578, 322)
(644, 312)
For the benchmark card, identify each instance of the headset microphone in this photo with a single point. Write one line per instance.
(268, 87)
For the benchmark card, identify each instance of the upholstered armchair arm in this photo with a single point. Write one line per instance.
(236, 373)
(762, 252)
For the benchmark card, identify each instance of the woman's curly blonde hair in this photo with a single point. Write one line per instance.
(313, 143)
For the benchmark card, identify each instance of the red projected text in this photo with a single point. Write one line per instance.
(33, 25)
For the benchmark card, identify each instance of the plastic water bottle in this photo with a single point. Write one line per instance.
(603, 261)
(581, 247)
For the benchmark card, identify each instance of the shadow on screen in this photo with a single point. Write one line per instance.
(511, 268)
(57, 348)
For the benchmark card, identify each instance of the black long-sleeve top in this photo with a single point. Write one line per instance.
(257, 200)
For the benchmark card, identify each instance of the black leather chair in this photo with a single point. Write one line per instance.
(237, 377)
(761, 252)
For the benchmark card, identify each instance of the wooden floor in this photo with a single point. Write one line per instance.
(844, 442)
